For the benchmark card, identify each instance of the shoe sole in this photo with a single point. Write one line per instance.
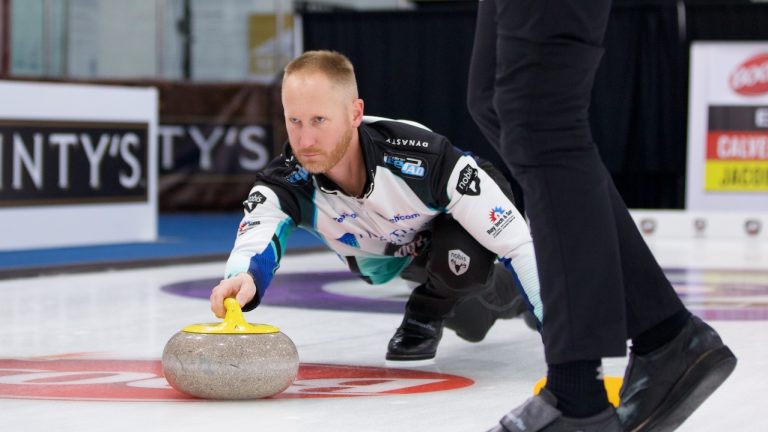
(409, 357)
(695, 386)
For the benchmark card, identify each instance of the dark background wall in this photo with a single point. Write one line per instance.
(414, 65)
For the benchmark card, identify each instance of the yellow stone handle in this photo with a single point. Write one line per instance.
(234, 323)
(234, 315)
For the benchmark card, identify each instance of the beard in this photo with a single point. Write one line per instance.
(323, 162)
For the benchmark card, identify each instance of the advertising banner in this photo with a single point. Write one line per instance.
(57, 162)
(212, 139)
(728, 127)
(78, 164)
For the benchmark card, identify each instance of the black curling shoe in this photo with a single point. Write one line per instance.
(538, 414)
(416, 339)
(662, 388)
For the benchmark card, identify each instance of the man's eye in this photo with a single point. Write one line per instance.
(319, 120)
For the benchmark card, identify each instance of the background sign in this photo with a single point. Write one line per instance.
(728, 127)
(737, 149)
(212, 139)
(78, 164)
(46, 162)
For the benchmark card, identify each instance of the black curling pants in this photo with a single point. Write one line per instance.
(531, 75)
(454, 267)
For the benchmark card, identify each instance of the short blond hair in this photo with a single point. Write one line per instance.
(335, 66)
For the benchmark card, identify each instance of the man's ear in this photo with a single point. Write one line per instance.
(357, 112)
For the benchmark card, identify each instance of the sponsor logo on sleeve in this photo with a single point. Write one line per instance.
(254, 200)
(469, 182)
(458, 261)
(500, 218)
(246, 226)
(408, 166)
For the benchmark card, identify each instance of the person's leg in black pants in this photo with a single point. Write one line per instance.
(482, 71)
(599, 282)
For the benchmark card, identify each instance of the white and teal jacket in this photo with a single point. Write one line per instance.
(413, 175)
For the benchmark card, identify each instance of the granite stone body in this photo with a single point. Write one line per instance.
(230, 366)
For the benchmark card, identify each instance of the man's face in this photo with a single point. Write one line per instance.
(320, 120)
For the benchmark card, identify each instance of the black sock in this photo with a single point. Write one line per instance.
(579, 387)
(658, 335)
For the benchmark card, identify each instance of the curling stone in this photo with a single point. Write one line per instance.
(230, 360)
